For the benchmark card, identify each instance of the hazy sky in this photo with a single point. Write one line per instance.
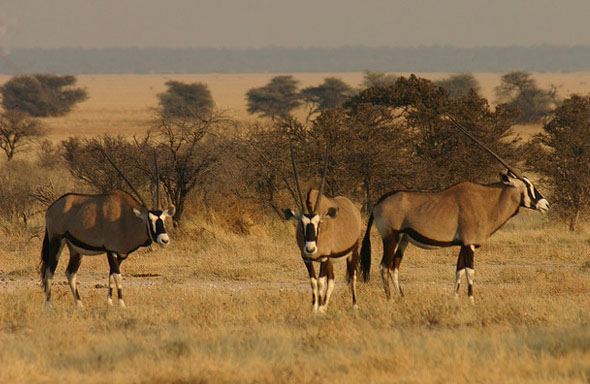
(261, 23)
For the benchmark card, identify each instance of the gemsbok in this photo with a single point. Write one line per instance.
(463, 215)
(113, 223)
(327, 228)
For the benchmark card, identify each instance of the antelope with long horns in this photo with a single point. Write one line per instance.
(114, 223)
(463, 215)
(327, 228)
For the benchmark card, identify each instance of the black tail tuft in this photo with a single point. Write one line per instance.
(44, 262)
(366, 251)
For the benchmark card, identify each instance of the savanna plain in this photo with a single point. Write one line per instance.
(220, 307)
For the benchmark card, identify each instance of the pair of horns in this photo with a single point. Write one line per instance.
(464, 130)
(302, 206)
(135, 192)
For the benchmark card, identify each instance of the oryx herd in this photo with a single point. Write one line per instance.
(463, 215)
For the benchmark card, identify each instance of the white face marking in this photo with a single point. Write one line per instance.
(542, 205)
(310, 247)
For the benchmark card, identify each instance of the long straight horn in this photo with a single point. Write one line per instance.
(157, 180)
(322, 181)
(137, 195)
(482, 145)
(296, 176)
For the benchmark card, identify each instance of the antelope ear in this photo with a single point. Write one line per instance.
(332, 213)
(140, 214)
(289, 214)
(171, 210)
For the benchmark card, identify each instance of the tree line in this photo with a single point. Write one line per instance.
(391, 133)
(540, 58)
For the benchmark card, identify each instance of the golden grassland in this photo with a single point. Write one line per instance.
(215, 307)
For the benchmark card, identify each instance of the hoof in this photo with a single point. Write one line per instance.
(122, 304)
(323, 309)
(110, 302)
(471, 300)
(355, 307)
(79, 305)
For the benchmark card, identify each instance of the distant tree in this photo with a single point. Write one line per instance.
(332, 93)
(378, 79)
(276, 99)
(17, 131)
(459, 85)
(41, 95)
(562, 154)
(186, 100)
(520, 91)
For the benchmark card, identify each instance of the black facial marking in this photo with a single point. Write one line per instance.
(310, 233)
(309, 230)
(156, 228)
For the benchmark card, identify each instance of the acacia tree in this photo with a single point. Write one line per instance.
(445, 155)
(185, 100)
(86, 162)
(459, 85)
(17, 131)
(41, 95)
(378, 79)
(520, 91)
(368, 151)
(332, 93)
(276, 99)
(562, 153)
(187, 150)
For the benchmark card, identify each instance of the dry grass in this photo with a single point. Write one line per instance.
(223, 308)
(216, 307)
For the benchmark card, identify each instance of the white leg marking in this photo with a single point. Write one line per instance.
(314, 292)
(329, 291)
(73, 287)
(322, 288)
(118, 282)
(48, 282)
(395, 279)
(110, 290)
(353, 289)
(470, 274)
(385, 279)
(458, 276)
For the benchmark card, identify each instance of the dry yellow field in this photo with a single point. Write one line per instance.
(124, 103)
(220, 308)
(215, 307)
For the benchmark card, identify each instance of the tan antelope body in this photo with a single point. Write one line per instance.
(463, 215)
(332, 230)
(113, 223)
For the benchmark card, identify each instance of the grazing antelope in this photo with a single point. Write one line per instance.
(327, 228)
(464, 215)
(113, 223)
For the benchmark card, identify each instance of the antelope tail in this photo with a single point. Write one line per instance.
(366, 251)
(44, 262)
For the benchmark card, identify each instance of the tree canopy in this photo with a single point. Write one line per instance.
(276, 99)
(186, 100)
(41, 95)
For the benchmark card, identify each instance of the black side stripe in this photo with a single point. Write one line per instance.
(81, 244)
(427, 241)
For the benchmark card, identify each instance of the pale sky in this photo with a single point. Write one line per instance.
(301, 23)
